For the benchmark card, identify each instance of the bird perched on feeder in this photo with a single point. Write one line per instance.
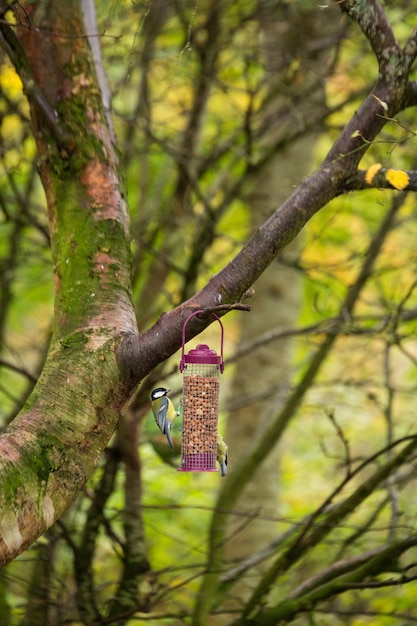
(164, 412)
(222, 454)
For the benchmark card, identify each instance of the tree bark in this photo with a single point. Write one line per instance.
(51, 448)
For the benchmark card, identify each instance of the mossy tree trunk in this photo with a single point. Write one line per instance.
(50, 449)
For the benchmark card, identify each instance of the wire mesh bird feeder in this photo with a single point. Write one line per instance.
(201, 369)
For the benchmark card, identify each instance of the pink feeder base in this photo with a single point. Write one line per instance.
(204, 462)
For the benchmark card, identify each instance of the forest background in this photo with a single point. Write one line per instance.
(220, 110)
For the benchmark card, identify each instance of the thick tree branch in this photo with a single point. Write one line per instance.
(410, 95)
(372, 20)
(139, 354)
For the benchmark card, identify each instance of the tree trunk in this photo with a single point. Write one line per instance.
(51, 448)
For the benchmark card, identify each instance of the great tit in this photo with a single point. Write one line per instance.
(222, 454)
(164, 412)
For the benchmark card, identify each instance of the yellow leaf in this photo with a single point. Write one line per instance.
(371, 172)
(397, 178)
(10, 81)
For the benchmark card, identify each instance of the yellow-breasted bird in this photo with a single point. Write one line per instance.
(222, 454)
(164, 412)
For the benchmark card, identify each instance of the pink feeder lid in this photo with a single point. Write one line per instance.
(203, 354)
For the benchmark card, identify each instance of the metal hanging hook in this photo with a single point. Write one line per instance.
(184, 327)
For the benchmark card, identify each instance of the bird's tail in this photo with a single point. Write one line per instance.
(168, 435)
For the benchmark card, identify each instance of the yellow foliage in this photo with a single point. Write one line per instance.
(10, 81)
(398, 178)
(371, 172)
(385, 603)
(11, 127)
(11, 159)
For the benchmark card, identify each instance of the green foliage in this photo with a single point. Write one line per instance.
(188, 105)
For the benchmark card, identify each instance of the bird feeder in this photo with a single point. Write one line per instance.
(201, 369)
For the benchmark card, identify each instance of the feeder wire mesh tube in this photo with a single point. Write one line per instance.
(201, 384)
(201, 369)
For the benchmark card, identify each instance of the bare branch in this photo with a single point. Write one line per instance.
(354, 573)
(306, 541)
